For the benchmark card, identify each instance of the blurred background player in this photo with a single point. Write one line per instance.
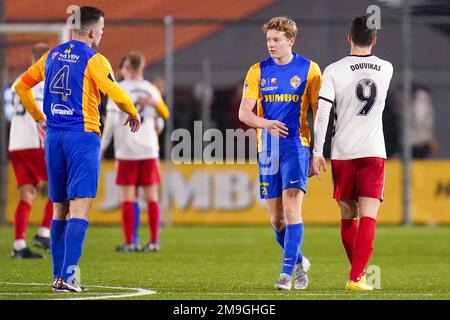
(421, 123)
(283, 87)
(74, 75)
(137, 155)
(357, 85)
(26, 152)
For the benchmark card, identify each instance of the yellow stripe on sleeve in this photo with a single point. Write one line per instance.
(251, 83)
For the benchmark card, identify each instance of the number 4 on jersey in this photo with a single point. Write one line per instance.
(60, 83)
(366, 91)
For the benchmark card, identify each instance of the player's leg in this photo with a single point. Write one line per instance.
(294, 168)
(349, 225)
(27, 193)
(365, 237)
(369, 189)
(271, 191)
(149, 178)
(57, 192)
(21, 161)
(42, 237)
(57, 236)
(137, 221)
(154, 216)
(82, 156)
(128, 200)
(126, 178)
(344, 192)
(276, 217)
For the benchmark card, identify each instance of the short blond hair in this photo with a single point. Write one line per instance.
(136, 60)
(284, 24)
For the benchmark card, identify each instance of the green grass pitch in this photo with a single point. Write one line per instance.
(236, 262)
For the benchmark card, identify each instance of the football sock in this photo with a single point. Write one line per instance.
(137, 222)
(128, 220)
(292, 243)
(349, 229)
(48, 214)
(74, 240)
(279, 236)
(363, 249)
(21, 220)
(19, 244)
(153, 220)
(57, 245)
(43, 232)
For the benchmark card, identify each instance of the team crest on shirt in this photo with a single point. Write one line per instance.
(263, 82)
(295, 82)
(69, 49)
(274, 81)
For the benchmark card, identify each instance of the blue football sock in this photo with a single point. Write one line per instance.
(137, 222)
(292, 242)
(279, 236)
(57, 247)
(75, 235)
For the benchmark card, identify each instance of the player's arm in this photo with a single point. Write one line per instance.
(326, 100)
(101, 71)
(249, 98)
(160, 106)
(24, 85)
(111, 122)
(314, 82)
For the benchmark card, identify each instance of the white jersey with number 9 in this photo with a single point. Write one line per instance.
(357, 86)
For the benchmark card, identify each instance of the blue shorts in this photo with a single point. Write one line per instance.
(287, 168)
(73, 164)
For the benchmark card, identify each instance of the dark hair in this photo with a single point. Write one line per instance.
(361, 34)
(88, 17)
(39, 49)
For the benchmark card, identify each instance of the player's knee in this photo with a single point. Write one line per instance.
(278, 223)
(27, 193)
(348, 210)
(292, 216)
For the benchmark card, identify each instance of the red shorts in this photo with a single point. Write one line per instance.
(363, 177)
(137, 172)
(29, 166)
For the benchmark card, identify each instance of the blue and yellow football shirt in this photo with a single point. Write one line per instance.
(75, 74)
(284, 93)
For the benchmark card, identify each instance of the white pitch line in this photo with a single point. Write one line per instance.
(139, 291)
(301, 294)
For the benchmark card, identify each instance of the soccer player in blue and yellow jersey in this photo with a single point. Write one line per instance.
(283, 87)
(74, 75)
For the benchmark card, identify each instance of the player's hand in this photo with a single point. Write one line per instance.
(311, 171)
(276, 128)
(133, 122)
(42, 125)
(319, 162)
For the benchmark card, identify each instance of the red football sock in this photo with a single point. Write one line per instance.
(48, 215)
(363, 249)
(153, 220)
(128, 220)
(349, 229)
(21, 220)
